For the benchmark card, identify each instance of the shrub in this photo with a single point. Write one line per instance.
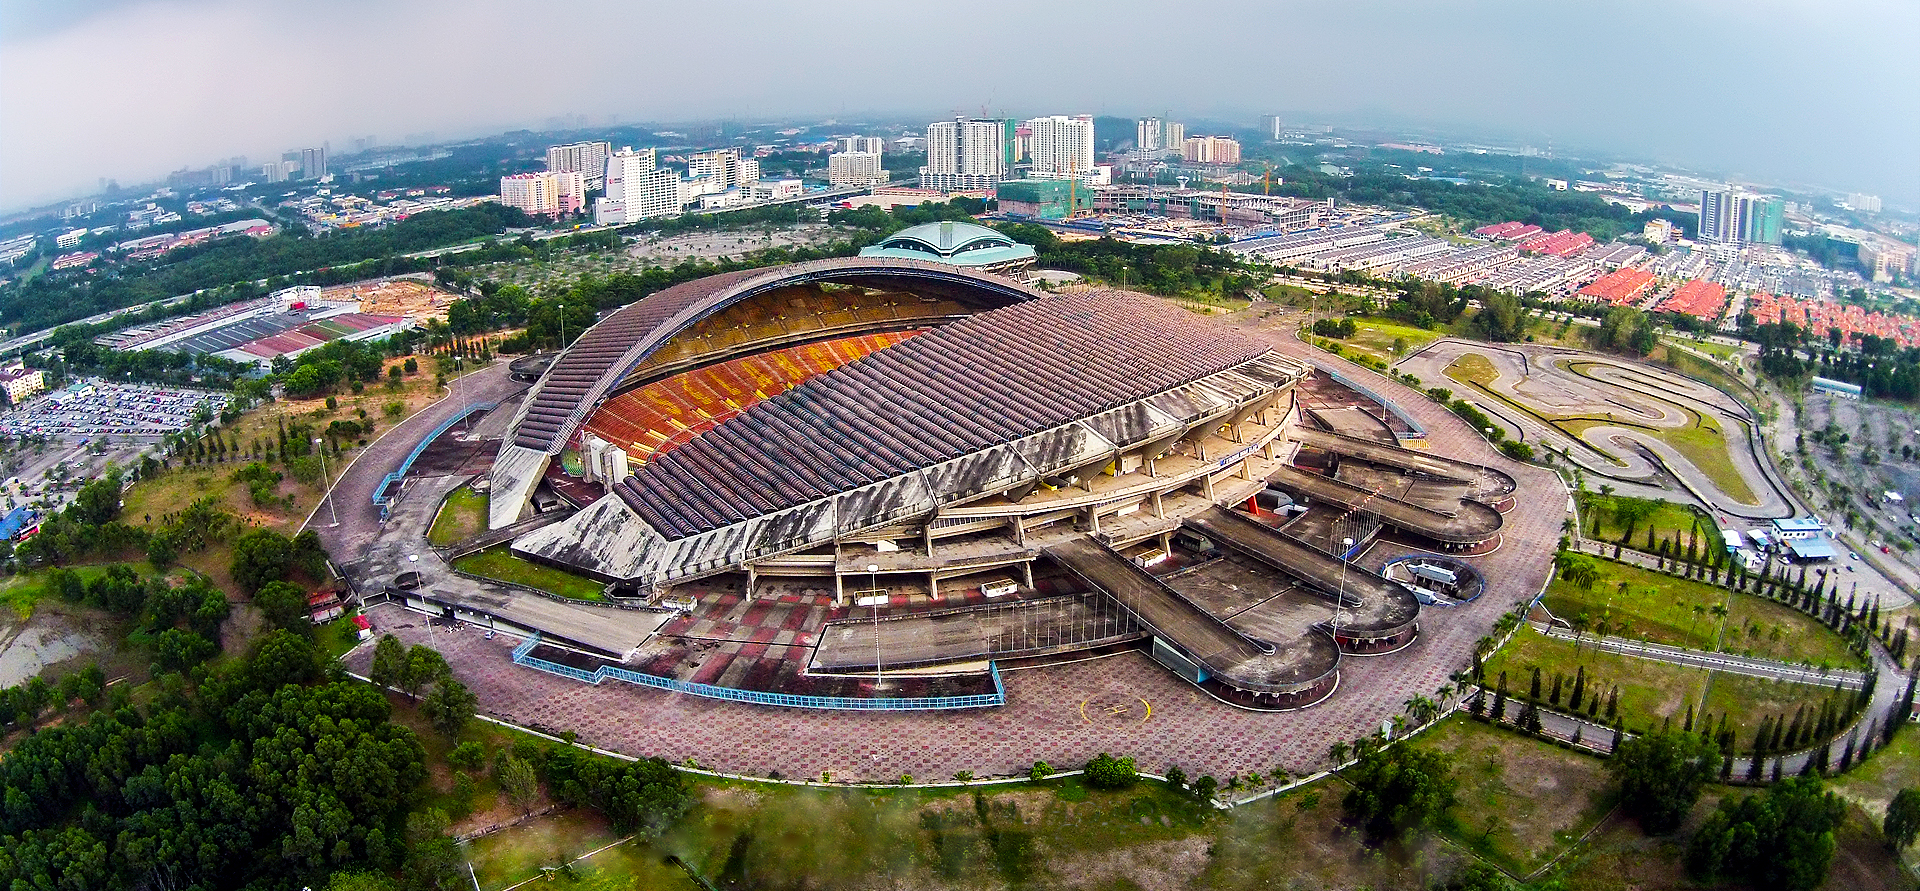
(1108, 772)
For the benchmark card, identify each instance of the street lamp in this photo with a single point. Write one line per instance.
(873, 596)
(327, 487)
(563, 326)
(1346, 545)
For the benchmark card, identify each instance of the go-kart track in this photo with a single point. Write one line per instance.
(1625, 421)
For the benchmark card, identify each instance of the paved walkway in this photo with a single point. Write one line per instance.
(1062, 714)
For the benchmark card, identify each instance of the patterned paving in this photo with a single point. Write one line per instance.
(1062, 714)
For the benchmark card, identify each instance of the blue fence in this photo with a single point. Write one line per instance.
(853, 703)
(399, 473)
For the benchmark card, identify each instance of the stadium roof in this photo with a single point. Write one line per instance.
(577, 382)
(959, 243)
(980, 382)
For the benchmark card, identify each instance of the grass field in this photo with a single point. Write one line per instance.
(1520, 802)
(1653, 606)
(500, 563)
(462, 516)
(1667, 519)
(1651, 692)
(1747, 700)
(1376, 337)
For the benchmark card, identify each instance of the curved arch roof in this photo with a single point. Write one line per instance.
(582, 377)
(947, 237)
(962, 244)
(980, 382)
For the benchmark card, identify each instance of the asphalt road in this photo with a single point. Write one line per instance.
(352, 493)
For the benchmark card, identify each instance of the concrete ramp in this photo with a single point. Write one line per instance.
(1185, 633)
(1472, 524)
(1372, 606)
(1482, 482)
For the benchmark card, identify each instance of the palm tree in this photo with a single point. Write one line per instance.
(1578, 624)
(1422, 710)
(1719, 611)
(1337, 753)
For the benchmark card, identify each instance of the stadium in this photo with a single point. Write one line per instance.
(949, 471)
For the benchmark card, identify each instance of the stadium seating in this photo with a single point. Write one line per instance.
(982, 381)
(661, 415)
(788, 313)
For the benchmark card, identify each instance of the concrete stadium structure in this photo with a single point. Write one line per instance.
(940, 430)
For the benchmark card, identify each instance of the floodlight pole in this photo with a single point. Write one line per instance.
(327, 490)
(1346, 545)
(873, 586)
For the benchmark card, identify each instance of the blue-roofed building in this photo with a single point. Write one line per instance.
(1805, 539)
(1837, 388)
(957, 244)
(16, 520)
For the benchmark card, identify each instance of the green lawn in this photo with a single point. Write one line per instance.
(500, 563)
(1521, 801)
(1651, 692)
(1652, 606)
(1746, 701)
(1760, 627)
(462, 516)
(1667, 519)
(1657, 607)
(1376, 337)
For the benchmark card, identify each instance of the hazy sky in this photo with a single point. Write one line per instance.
(1823, 91)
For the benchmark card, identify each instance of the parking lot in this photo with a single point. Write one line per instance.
(94, 407)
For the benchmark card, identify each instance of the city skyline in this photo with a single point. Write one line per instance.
(1637, 83)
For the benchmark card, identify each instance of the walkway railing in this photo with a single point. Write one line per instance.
(522, 656)
(1414, 428)
(399, 473)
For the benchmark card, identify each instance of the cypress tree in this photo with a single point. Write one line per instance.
(1794, 731)
(1500, 699)
(1579, 688)
(1688, 727)
(1533, 689)
(1778, 766)
(1615, 747)
(1846, 755)
(1774, 742)
(1554, 697)
(1754, 766)
(1613, 702)
(1593, 707)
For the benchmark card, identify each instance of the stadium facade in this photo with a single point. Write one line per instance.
(919, 424)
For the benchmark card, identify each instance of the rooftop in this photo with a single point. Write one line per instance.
(963, 244)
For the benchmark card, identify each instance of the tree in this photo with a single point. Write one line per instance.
(260, 556)
(389, 662)
(285, 606)
(449, 706)
(424, 666)
(1661, 775)
(1781, 839)
(1902, 824)
(1397, 788)
(1108, 772)
(517, 780)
